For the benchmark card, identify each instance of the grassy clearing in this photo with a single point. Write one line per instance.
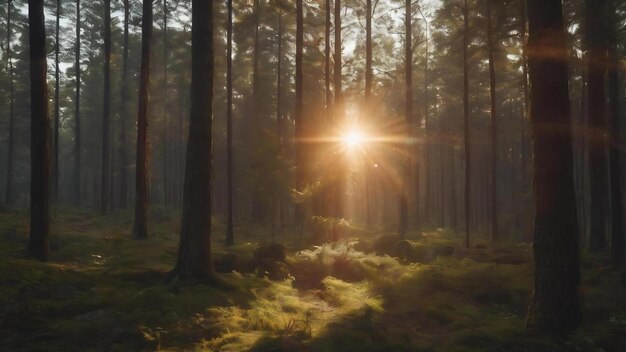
(103, 291)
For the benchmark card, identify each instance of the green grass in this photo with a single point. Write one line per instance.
(104, 291)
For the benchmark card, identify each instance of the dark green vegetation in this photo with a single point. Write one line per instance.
(103, 291)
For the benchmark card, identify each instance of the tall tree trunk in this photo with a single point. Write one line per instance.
(369, 75)
(124, 113)
(442, 173)
(555, 303)
(338, 115)
(57, 109)
(427, 146)
(466, 122)
(165, 141)
(142, 185)
(598, 163)
(617, 218)
(403, 201)
(279, 115)
(525, 117)
(258, 206)
(453, 190)
(77, 134)
(194, 253)
(106, 116)
(299, 109)
(40, 133)
(583, 170)
(368, 52)
(9, 184)
(327, 59)
(494, 129)
(255, 54)
(230, 237)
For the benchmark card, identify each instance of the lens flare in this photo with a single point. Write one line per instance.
(353, 139)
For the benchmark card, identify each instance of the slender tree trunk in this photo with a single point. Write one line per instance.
(598, 163)
(494, 129)
(326, 194)
(40, 133)
(258, 206)
(194, 253)
(180, 165)
(408, 117)
(299, 109)
(57, 110)
(555, 303)
(617, 218)
(427, 146)
(279, 113)
(466, 122)
(106, 117)
(583, 170)
(338, 115)
(369, 76)
(368, 52)
(77, 134)
(230, 237)
(525, 115)
(256, 52)
(165, 140)
(442, 173)
(327, 59)
(142, 185)
(453, 184)
(338, 77)
(9, 184)
(124, 113)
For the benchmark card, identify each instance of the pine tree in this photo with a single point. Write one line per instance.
(555, 303)
(40, 133)
(141, 198)
(194, 253)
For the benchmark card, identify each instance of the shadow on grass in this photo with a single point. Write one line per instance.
(100, 291)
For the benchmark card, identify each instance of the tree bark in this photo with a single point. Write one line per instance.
(299, 109)
(9, 184)
(338, 116)
(279, 117)
(106, 116)
(368, 51)
(555, 304)
(427, 146)
(194, 254)
(40, 133)
(77, 134)
(369, 75)
(165, 139)
(327, 59)
(403, 221)
(57, 110)
(598, 162)
(337, 61)
(124, 113)
(230, 237)
(466, 123)
(494, 129)
(141, 199)
(617, 218)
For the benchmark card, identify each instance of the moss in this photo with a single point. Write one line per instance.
(105, 291)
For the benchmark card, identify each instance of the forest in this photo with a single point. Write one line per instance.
(312, 175)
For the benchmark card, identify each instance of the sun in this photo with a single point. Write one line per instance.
(353, 139)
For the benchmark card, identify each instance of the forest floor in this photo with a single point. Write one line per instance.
(103, 291)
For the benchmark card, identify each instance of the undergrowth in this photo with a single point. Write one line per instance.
(103, 291)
